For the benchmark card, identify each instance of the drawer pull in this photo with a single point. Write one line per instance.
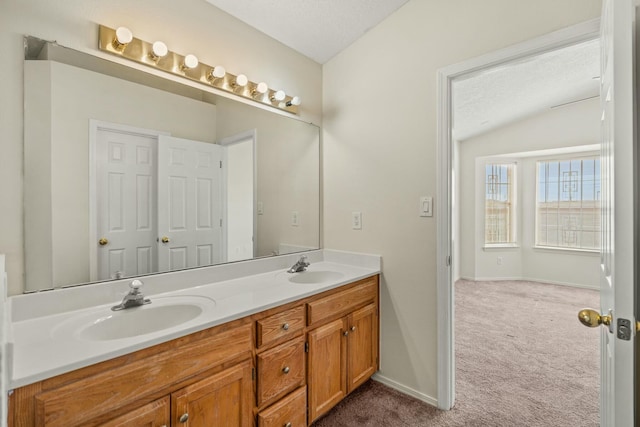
(285, 326)
(286, 370)
(287, 425)
(353, 328)
(183, 418)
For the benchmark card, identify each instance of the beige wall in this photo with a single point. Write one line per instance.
(189, 26)
(379, 142)
(569, 126)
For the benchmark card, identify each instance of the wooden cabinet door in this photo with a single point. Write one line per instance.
(327, 383)
(224, 399)
(362, 354)
(155, 414)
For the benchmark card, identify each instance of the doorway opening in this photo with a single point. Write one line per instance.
(518, 255)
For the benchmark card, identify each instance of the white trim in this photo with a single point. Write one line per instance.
(529, 279)
(94, 127)
(445, 298)
(405, 390)
(576, 251)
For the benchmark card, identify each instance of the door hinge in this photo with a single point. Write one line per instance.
(253, 374)
(306, 347)
(449, 261)
(220, 164)
(220, 222)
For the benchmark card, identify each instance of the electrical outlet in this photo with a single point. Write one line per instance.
(356, 220)
(295, 219)
(260, 208)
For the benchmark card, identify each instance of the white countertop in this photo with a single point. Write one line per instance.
(45, 346)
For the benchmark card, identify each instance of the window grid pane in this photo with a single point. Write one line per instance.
(568, 203)
(499, 203)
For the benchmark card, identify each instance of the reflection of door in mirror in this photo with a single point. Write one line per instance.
(239, 234)
(158, 202)
(190, 203)
(125, 198)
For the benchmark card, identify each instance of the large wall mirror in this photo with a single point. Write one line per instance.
(128, 174)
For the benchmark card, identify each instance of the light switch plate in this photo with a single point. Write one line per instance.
(426, 206)
(260, 208)
(356, 220)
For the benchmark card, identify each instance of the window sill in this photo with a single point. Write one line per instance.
(501, 246)
(566, 250)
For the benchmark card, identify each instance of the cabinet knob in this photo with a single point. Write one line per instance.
(353, 329)
(287, 425)
(286, 370)
(285, 326)
(183, 418)
(345, 333)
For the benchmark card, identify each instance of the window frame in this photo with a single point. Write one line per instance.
(566, 157)
(513, 202)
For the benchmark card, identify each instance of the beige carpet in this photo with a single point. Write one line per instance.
(522, 359)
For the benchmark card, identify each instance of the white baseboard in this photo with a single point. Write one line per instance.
(530, 279)
(405, 390)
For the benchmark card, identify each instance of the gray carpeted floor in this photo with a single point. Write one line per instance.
(522, 359)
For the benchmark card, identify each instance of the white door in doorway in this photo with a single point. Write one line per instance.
(190, 204)
(125, 170)
(240, 183)
(617, 258)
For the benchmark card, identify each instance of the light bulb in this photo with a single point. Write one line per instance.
(294, 101)
(279, 96)
(218, 72)
(123, 37)
(158, 50)
(262, 87)
(190, 61)
(241, 80)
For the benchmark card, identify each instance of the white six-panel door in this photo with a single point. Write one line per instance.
(189, 203)
(125, 204)
(617, 258)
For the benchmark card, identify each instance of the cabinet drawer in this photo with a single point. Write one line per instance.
(280, 370)
(289, 411)
(342, 302)
(286, 324)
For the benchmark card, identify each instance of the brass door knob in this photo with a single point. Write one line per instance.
(103, 241)
(591, 318)
(165, 239)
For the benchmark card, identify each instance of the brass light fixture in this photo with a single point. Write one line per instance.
(121, 42)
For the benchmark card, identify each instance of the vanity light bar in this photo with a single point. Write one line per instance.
(120, 42)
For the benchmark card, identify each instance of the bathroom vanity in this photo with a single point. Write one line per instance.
(284, 362)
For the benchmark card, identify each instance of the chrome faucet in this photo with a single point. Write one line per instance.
(300, 265)
(134, 298)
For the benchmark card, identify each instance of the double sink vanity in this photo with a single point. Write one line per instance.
(240, 344)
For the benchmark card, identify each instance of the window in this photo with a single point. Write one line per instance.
(499, 204)
(568, 203)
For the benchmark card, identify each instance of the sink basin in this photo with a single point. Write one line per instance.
(163, 313)
(316, 277)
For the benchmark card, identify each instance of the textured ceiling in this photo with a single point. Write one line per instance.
(318, 29)
(515, 90)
